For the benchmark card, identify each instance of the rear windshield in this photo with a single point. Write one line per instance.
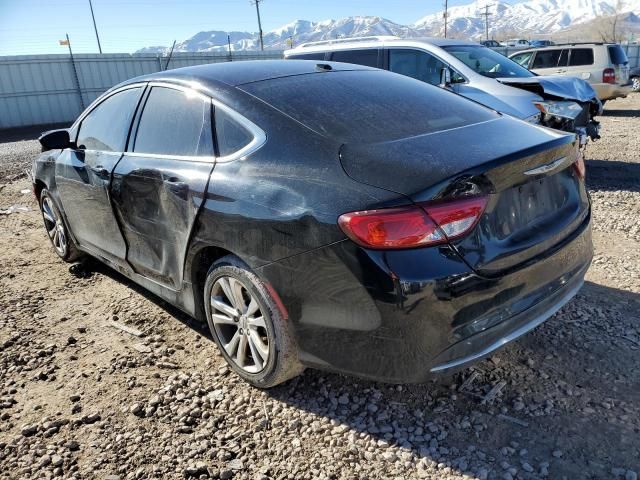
(617, 55)
(487, 62)
(367, 106)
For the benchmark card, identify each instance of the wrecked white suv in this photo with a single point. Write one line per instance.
(473, 71)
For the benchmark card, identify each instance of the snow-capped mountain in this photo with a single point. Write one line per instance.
(299, 31)
(529, 17)
(526, 18)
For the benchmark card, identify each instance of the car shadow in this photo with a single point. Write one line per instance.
(527, 404)
(612, 175)
(452, 418)
(620, 113)
(90, 266)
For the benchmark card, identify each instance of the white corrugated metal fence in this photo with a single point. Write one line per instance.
(40, 89)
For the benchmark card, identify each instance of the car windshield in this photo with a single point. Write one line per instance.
(487, 62)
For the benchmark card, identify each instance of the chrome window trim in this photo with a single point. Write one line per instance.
(259, 137)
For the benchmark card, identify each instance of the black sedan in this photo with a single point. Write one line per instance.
(323, 215)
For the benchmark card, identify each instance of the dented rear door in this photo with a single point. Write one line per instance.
(158, 185)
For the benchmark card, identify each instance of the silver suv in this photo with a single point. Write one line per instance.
(473, 71)
(604, 65)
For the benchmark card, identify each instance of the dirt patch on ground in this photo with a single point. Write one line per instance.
(80, 398)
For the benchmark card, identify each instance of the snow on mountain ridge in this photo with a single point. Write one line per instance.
(465, 21)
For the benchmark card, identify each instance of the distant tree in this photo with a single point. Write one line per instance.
(610, 27)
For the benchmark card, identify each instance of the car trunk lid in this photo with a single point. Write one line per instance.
(535, 198)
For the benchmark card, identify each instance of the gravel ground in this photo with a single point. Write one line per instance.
(82, 399)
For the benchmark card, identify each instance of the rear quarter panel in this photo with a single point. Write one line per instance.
(283, 199)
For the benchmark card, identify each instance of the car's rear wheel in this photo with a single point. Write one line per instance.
(635, 84)
(56, 229)
(250, 329)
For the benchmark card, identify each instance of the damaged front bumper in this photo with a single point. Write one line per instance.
(568, 104)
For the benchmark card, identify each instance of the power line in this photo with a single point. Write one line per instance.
(486, 14)
(257, 4)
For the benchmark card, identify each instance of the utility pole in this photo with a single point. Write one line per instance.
(229, 45)
(257, 4)
(67, 42)
(446, 15)
(486, 14)
(94, 26)
(166, 65)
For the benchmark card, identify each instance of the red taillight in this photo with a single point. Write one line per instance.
(579, 165)
(413, 226)
(609, 75)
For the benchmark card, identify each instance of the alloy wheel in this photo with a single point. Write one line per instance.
(54, 226)
(636, 84)
(240, 324)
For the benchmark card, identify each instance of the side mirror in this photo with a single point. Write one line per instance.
(445, 78)
(55, 139)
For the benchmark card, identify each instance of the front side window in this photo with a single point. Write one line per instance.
(522, 58)
(175, 122)
(231, 135)
(581, 56)
(106, 127)
(368, 58)
(547, 58)
(416, 64)
(487, 62)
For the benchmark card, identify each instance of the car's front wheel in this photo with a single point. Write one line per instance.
(56, 229)
(251, 331)
(635, 84)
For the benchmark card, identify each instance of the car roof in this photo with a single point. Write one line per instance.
(569, 45)
(241, 72)
(373, 42)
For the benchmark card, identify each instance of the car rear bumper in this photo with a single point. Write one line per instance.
(404, 316)
(609, 91)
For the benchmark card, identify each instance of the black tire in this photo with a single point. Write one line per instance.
(282, 362)
(52, 219)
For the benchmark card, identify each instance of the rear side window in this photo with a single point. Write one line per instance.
(368, 58)
(581, 56)
(416, 64)
(307, 56)
(367, 106)
(617, 55)
(175, 122)
(231, 135)
(546, 58)
(107, 126)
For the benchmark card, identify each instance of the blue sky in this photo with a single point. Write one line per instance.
(35, 26)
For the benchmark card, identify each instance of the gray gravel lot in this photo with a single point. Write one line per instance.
(81, 399)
